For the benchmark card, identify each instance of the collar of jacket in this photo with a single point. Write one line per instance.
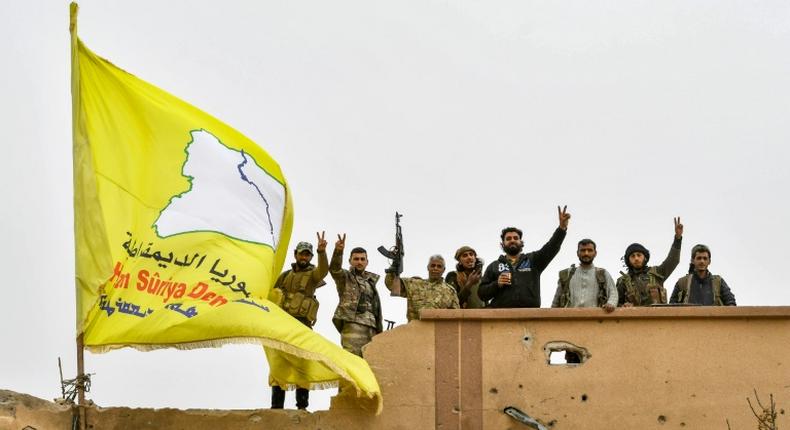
(521, 257)
(702, 279)
(365, 274)
(295, 267)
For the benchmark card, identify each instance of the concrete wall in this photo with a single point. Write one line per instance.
(644, 368)
(647, 368)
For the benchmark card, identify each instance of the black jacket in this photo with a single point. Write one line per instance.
(524, 290)
(701, 291)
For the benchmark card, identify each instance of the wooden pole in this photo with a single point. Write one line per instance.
(76, 119)
(81, 381)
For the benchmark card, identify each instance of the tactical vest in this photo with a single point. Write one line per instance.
(565, 281)
(685, 285)
(297, 297)
(655, 280)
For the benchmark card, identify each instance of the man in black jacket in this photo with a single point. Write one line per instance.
(513, 281)
(700, 286)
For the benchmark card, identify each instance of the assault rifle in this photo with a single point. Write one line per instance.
(396, 253)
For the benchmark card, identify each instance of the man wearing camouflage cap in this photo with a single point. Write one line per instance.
(466, 278)
(643, 285)
(431, 293)
(294, 291)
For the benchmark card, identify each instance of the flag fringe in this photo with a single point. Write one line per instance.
(282, 346)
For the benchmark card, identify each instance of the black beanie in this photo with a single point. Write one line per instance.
(635, 247)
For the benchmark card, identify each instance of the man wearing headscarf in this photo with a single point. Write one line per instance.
(466, 278)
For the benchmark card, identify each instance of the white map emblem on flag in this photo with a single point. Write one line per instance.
(229, 194)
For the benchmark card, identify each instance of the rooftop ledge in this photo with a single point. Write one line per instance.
(650, 312)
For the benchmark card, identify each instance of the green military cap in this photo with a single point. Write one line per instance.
(304, 246)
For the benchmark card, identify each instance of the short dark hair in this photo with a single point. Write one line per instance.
(586, 242)
(358, 250)
(699, 248)
(507, 230)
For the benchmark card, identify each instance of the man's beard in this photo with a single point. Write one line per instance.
(302, 264)
(513, 250)
(586, 260)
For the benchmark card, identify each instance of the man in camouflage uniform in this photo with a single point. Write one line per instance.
(643, 285)
(294, 291)
(358, 313)
(432, 293)
(700, 286)
(466, 278)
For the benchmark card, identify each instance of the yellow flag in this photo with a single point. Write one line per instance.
(181, 227)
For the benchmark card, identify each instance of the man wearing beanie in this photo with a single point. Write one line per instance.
(513, 281)
(701, 287)
(644, 285)
(466, 278)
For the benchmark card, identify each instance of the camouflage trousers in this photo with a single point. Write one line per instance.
(354, 336)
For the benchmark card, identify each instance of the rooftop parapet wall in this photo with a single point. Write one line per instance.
(689, 367)
(669, 367)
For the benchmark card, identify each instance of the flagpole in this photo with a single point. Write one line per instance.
(73, 10)
(81, 381)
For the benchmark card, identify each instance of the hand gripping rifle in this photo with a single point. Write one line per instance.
(396, 253)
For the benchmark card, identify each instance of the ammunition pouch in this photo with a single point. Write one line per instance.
(276, 296)
(365, 304)
(301, 306)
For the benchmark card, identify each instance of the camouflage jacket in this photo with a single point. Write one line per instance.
(425, 294)
(646, 286)
(358, 299)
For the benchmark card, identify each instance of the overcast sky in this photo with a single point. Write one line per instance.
(466, 116)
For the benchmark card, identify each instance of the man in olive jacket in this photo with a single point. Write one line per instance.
(466, 278)
(513, 281)
(358, 313)
(297, 288)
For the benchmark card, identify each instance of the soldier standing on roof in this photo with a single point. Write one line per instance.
(358, 313)
(466, 278)
(294, 291)
(431, 293)
(700, 286)
(586, 286)
(513, 281)
(643, 285)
